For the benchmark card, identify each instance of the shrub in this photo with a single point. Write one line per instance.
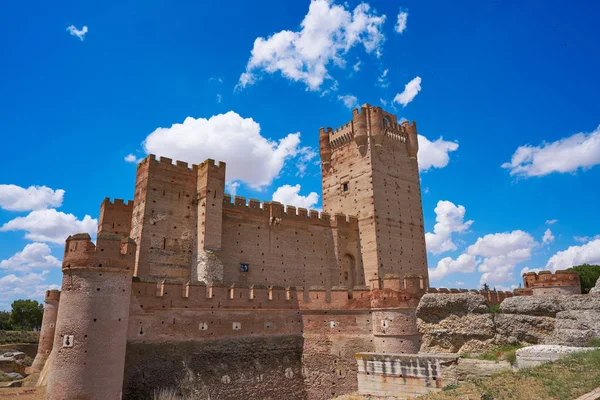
(450, 386)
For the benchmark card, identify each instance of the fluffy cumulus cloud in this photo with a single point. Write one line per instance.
(80, 33)
(326, 35)
(50, 226)
(434, 154)
(130, 158)
(401, 22)
(290, 195)
(575, 255)
(19, 286)
(582, 150)
(548, 237)
(449, 219)
(464, 263)
(34, 255)
(495, 256)
(250, 157)
(349, 101)
(527, 269)
(501, 252)
(16, 198)
(411, 89)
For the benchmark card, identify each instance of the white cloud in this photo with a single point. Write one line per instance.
(401, 23)
(30, 285)
(349, 101)
(16, 198)
(232, 187)
(76, 32)
(51, 226)
(434, 154)
(582, 150)
(356, 66)
(449, 218)
(501, 252)
(551, 221)
(495, 255)
(219, 98)
(527, 269)
(576, 255)
(548, 237)
(411, 89)
(585, 239)
(382, 80)
(130, 158)
(465, 263)
(304, 157)
(327, 33)
(34, 255)
(250, 157)
(457, 283)
(289, 195)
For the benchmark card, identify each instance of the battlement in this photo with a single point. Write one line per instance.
(340, 135)
(110, 251)
(279, 212)
(115, 217)
(563, 281)
(492, 296)
(163, 294)
(52, 295)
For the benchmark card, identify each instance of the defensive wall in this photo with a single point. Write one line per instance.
(217, 338)
(229, 298)
(548, 283)
(492, 296)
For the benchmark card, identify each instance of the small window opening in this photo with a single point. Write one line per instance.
(345, 187)
(244, 267)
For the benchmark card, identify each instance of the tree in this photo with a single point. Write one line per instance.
(5, 321)
(486, 287)
(588, 275)
(26, 314)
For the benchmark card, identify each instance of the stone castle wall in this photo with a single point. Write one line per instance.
(548, 283)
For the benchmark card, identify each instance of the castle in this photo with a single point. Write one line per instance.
(186, 289)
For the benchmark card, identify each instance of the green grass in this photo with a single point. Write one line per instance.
(507, 352)
(564, 379)
(494, 308)
(593, 342)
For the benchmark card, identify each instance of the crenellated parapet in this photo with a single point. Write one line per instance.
(546, 282)
(110, 251)
(161, 294)
(115, 217)
(279, 213)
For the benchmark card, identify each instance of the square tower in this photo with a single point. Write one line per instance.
(369, 169)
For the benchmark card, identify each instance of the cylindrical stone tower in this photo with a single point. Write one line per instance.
(91, 328)
(47, 332)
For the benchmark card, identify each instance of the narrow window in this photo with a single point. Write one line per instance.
(164, 243)
(244, 267)
(345, 187)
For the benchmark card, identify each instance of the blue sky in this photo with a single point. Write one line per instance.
(505, 94)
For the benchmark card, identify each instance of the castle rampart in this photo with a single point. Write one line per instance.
(548, 283)
(238, 298)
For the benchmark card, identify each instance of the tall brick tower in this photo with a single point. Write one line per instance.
(370, 169)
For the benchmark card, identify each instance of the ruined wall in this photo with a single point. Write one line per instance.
(291, 247)
(492, 296)
(547, 283)
(164, 218)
